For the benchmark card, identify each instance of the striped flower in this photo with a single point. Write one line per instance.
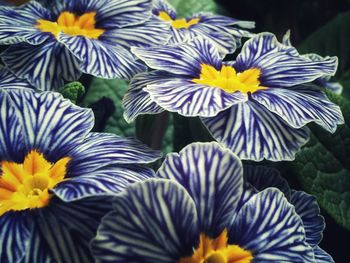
(202, 214)
(224, 32)
(9, 80)
(67, 38)
(57, 176)
(257, 105)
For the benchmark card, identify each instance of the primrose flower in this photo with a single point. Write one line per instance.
(257, 105)
(56, 176)
(200, 211)
(223, 31)
(67, 38)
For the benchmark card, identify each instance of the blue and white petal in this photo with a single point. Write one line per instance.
(191, 99)
(261, 177)
(50, 123)
(253, 132)
(153, 221)
(101, 59)
(268, 226)
(213, 176)
(46, 66)
(163, 5)
(152, 32)
(300, 105)
(136, 101)
(14, 235)
(185, 59)
(307, 208)
(9, 81)
(279, 64)
(322, 256)
(17, 24)
(99, 150)
(66, 229)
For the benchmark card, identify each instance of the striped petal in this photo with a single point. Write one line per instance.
(101, 59)
(66, 229)
(17, 24)
(136, 101)
(11, 132)
(50, 124)
(99, 150)
(268, 226)
(300, 105)
(154, 221)
(253, 132)
(307, 208)
(162, 5)
(191, 99)
(185, 59)
(213, 177)
(9, 81)
(152, 32)
(103, 182)
(280, 65)
(14, 235)
(262, 177)
(46, 66)
(322, 256)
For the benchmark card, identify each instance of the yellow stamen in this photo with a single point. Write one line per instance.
(26, 186)
(218, 251)
(229, 80)
(178, 23)
(72, 24)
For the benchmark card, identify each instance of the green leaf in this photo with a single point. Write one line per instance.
(73, 91)
(110, 90)
(185, 8)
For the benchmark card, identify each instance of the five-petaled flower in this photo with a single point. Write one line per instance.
(56, 176)
(224, 32)
(199, 209)
(59, 42)
(257, 105)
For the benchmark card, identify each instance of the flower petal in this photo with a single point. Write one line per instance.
(191, 99)
(185, 59)
(253, 132)
(280, 65)
(300, 105)
(103, 182)
(213, 177)
(102, 59)
(9, 81)
(45, 66)
(14, 235)
(66, 229)
(322, 256)
(50, 124)
(136, 101)
(17, 24)
(153, 221)
(262, 177)
(268, 226)
(307, 208)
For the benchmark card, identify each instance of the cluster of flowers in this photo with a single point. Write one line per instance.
(58, 179)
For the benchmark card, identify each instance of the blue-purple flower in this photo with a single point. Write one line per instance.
(257, 105)
(225, 32)
(59, 42)
(201, 210)
(57, 176)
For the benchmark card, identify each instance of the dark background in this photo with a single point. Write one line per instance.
(302, 17)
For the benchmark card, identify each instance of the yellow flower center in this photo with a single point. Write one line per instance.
(72, 24)
(229, 80)
(178, 23)
(218, 251)
(26, 185)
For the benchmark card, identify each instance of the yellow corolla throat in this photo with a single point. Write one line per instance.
(72, 24)
(178, 23)
(26, 185)
(218, 251)
(229, 80)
